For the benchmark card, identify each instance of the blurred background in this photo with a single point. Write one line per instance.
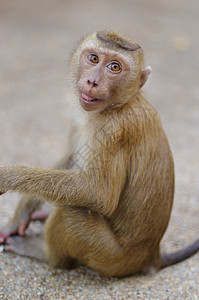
(36, 39)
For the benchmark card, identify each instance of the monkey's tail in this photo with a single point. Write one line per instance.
(178, 256)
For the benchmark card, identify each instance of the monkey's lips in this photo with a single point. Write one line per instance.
(89, 99)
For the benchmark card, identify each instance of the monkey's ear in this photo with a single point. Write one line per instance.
(144, 75)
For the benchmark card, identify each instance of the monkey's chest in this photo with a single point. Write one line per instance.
(82, 151)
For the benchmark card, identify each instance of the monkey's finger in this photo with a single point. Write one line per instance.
(39, 215)
(22, 228)
(3, 237)
(1, 193)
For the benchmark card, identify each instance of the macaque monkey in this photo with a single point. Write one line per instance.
(112, 195)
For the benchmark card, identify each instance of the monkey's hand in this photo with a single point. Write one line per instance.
(6, 232)
(22, 217)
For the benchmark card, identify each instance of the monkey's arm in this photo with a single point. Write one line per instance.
(65, 187)
(28, 208)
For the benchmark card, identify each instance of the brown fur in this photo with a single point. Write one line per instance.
(112, 206)
(114, 40)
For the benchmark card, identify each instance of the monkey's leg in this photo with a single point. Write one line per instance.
(86, 236)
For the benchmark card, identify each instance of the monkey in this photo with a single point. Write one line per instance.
(112, 195)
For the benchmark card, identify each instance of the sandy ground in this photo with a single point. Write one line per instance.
(36, 38)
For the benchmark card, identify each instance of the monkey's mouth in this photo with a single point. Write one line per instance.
(89, 99)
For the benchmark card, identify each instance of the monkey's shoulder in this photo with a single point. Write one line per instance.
(141, 110)
(137, 116)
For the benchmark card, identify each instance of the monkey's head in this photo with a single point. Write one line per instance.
(108, 70)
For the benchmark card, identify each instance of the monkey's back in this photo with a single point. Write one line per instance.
(131, 139)
(144, 208)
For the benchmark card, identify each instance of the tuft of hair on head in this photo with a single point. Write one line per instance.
(113, 39)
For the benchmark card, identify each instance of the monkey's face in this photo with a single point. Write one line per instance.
(102, 76)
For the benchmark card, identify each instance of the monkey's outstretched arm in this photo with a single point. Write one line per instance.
(28, 209)
(63, 187)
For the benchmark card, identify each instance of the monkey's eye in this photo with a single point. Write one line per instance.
(114, 67)
(93, 58)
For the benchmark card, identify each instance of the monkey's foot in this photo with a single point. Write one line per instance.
(29, 246)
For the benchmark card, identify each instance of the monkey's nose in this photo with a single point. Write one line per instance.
(94, 83)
